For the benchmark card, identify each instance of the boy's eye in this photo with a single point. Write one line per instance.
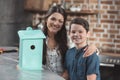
(80, 31)
(73, 32)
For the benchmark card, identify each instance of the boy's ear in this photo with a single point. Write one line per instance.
(88, 34)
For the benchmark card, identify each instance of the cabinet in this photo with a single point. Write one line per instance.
(82, 12)
(36, 5)
(41, 7)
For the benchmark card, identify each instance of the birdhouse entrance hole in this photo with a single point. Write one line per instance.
(32, 47)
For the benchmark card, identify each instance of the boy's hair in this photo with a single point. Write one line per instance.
(80, 21)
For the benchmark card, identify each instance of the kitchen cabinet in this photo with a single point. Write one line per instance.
(41, 7)
(36, 5)
(82, 12)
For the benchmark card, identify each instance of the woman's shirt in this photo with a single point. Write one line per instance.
(79, 67)
(53, 62)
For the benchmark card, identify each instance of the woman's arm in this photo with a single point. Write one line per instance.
(90, 49)
(65, 75)
(91, 77)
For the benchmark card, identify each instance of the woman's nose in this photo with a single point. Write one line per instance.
(56, 22)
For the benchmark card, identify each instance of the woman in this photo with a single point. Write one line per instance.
(55, 44)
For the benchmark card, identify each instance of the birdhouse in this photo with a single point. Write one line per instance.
(30, 49)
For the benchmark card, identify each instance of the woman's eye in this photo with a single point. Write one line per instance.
(53, 18)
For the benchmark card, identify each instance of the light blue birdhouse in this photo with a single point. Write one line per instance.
(30, 49)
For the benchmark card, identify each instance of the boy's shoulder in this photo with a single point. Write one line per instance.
(71, 49)
(94, 55)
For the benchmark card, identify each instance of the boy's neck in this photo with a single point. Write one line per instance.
(80, 45)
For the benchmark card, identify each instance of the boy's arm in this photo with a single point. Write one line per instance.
(91, 77)
(93, 64)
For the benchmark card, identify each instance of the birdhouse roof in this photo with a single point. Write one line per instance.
(29, 33)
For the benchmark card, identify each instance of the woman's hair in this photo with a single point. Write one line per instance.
(60, 37)
(80, 21)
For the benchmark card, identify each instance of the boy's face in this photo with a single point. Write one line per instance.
(78, 34)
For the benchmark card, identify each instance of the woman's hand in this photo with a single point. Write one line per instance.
(89, 50)
(65, 75)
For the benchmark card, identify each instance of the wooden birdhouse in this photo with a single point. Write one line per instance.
(30, 49)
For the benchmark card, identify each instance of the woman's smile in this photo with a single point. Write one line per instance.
(55, 22)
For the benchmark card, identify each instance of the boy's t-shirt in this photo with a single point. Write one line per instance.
(79, 67)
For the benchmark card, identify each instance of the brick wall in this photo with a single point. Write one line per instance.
(105, 28)
(107, 34)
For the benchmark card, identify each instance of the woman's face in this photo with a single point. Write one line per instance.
(55, 22)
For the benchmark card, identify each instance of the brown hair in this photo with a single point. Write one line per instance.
(60, 37)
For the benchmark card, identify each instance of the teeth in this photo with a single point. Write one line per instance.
(55, 27)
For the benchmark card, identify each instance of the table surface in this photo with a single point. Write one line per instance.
(8, 62)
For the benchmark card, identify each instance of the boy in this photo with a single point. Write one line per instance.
(77, 66)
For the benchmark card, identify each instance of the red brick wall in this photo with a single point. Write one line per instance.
(105, 29)
(106, 35)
